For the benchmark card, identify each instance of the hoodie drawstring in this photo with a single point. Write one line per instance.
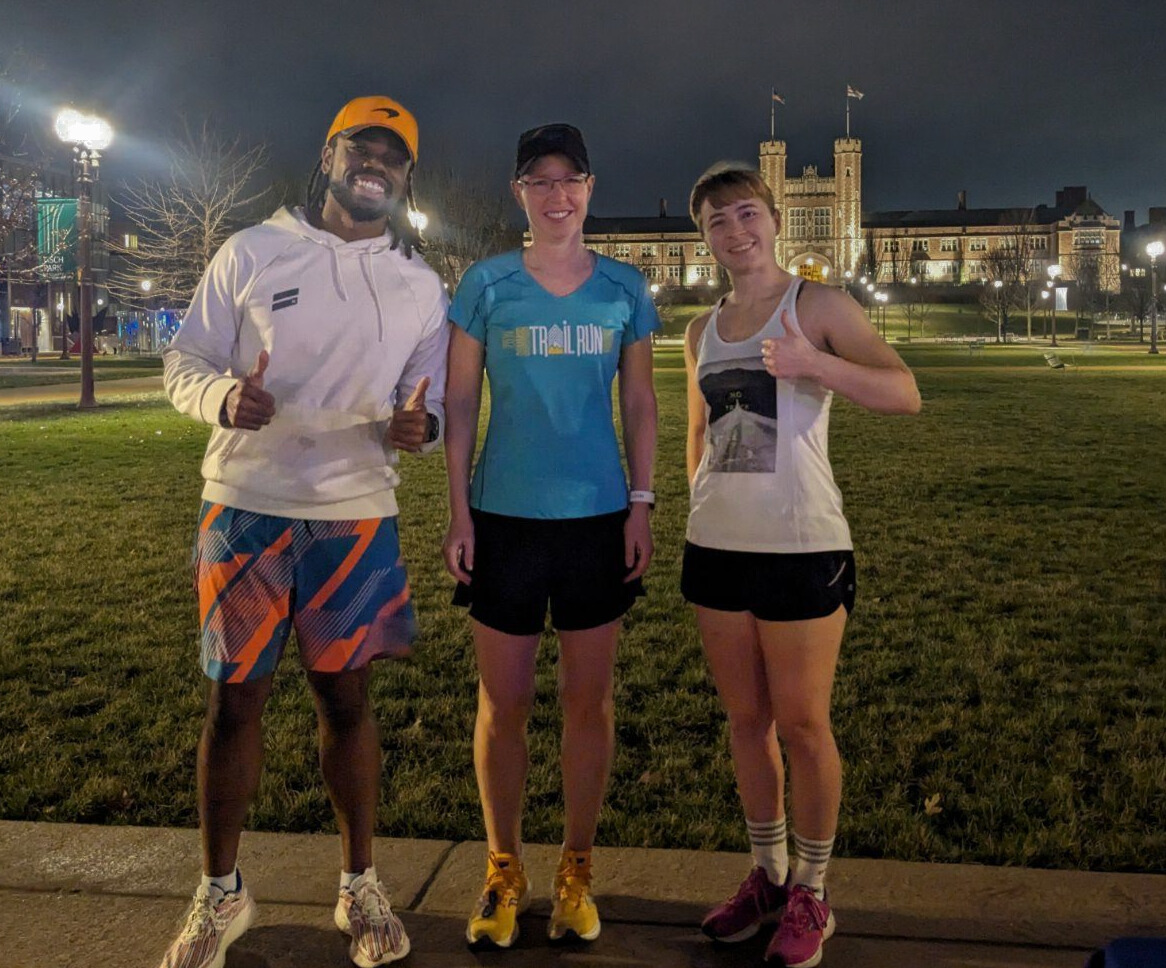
(337, 275)
(371, 277)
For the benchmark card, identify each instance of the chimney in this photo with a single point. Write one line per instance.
(1158, 216)
(663, 208)
(1071, 196)
(1128, 223)
(962, 200)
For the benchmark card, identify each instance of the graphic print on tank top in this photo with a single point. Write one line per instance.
(742, 428)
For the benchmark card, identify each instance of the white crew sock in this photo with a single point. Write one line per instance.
(767, 841)
(347, 879)
(810, 863)
(226, 884)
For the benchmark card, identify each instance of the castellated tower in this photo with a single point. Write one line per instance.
(821, 214)
(848, 184)
(772, 166)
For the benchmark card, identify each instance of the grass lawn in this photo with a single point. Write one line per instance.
(50, 370)
(1005, 661)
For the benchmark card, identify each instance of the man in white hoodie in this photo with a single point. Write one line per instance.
(315, 346)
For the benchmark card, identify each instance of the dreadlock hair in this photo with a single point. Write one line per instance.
(404, 233)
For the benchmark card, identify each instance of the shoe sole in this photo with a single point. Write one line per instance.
(569, 935)
(816, 957)
(746, 933)
(234, 932)
(483, 942)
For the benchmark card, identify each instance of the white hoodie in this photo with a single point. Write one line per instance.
(350, 327)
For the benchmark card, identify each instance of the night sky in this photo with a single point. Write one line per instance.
(1009, 100)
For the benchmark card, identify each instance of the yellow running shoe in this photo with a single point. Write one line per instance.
(494, 921)
(574, 912)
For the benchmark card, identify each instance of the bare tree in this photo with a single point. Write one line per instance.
(213, 189)
(1086, 268)
(468, 221)
(21, 161)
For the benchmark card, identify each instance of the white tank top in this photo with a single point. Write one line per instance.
(764, 483)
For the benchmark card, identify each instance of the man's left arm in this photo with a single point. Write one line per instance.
(418, 424)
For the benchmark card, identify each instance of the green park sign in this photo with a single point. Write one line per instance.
(56, 232)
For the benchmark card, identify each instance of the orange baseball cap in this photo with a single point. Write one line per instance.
(377, 112)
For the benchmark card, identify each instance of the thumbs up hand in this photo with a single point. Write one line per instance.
(792, 356)
(248, 406)
(409, 425)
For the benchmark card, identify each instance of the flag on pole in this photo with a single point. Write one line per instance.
(853, 92)
(777, 97)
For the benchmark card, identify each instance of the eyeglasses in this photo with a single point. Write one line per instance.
(544, 186)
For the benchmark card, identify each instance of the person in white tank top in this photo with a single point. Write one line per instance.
(768, 563)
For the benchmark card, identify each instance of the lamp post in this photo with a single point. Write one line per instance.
(1055, 272)
(998, 285)
(1153, 250)
(881, 297)
(89, 136)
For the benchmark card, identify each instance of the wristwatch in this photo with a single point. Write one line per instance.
(643, 497)
(433, 428)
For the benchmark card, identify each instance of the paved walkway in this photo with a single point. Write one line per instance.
(64, 392)
(100, 897)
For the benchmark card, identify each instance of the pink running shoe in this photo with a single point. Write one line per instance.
(737, 918)
(804, 926)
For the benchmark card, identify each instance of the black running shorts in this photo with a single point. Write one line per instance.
(773, 587)
(523, 565)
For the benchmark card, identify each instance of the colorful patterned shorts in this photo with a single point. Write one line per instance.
(340, 584)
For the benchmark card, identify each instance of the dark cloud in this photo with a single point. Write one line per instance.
(1009, 100)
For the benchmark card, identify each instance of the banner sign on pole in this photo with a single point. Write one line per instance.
(56, 233)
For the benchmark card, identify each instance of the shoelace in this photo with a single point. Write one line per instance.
(369, 897)
(806, 914)
(202, 910)
(573, 885)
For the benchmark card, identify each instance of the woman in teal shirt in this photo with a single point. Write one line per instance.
(548, 518)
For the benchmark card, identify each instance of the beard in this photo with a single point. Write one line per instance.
(360, 208)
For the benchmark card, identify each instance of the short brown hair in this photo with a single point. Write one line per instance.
(728, 181)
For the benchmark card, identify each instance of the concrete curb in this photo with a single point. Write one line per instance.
(990, 916)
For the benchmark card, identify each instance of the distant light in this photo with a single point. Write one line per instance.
(1155, 249)
(810, 261)
(76, 128)
(1044, 294)
(825, 271)
(870, 287)
(997, 284)
(655, 287)
(100, 302)
(863, 280)
(914, 280)
(60, 305)
(146, 285)
(1056, 270)
(712, 282)
(419, 220)
(848, 274)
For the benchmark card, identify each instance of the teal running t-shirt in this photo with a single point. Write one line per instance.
(551, 449)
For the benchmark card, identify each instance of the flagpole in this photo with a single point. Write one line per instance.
(848, 116)
(771, 109)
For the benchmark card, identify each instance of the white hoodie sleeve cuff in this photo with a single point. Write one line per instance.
(211, 404)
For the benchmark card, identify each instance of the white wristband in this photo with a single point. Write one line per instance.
(642, 497)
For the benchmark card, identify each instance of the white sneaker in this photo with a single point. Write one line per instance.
(214, 922)
(363, 913)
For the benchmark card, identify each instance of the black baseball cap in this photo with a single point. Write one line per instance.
(551, 139)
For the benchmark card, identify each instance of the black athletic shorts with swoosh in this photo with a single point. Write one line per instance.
(773, 587)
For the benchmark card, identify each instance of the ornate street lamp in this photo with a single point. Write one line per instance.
(1153, 250)
(89, 136)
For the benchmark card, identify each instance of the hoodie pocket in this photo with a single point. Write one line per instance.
(305, 455)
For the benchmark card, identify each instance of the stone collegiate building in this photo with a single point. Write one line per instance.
(826, 237)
